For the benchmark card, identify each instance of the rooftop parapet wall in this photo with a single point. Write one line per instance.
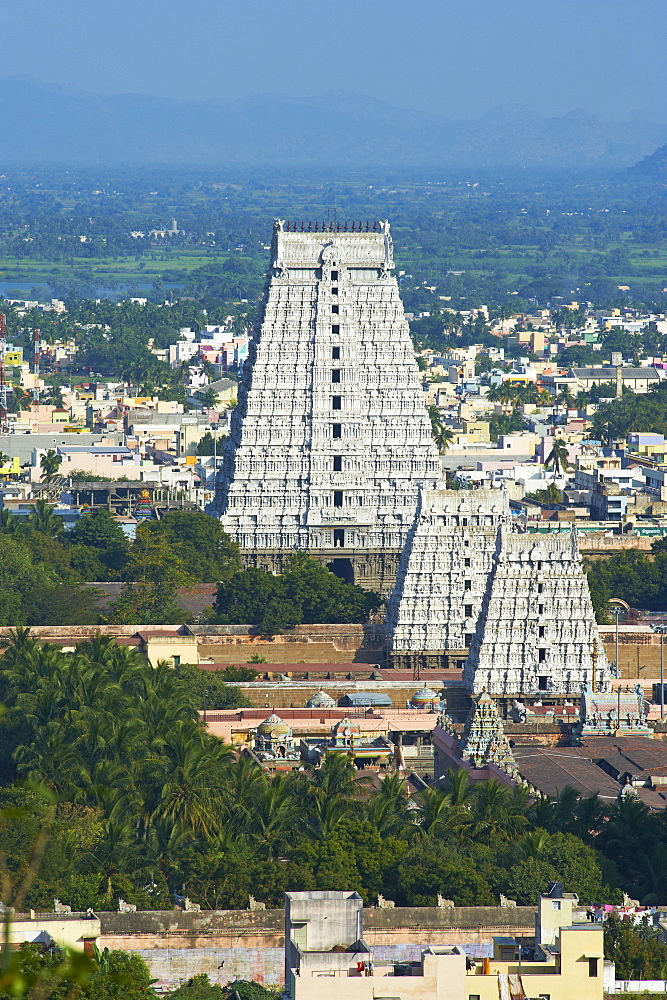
(207, 923)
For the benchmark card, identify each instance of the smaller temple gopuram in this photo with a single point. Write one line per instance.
(614, 713)
(483, 741)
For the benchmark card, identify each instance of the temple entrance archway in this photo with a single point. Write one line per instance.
(342, 568)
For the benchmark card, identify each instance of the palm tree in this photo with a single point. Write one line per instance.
(502, 393)
(558, 457)
(208, 398)
(566, 398)
(55, 397)
(442, 435)
(272, 823)
(9, 523)
(43, 519)
(18, 400)
(192, 789)
(534, 844)
(458, 786)
(49, 463)
(497, 815)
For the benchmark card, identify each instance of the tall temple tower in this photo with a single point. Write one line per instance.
(330, 443)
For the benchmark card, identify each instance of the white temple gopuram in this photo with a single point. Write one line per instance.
(330, 442)
(513, 608)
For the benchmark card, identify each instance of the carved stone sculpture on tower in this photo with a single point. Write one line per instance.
(330, 442)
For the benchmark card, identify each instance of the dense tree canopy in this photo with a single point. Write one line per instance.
(304, 594)
(635, 577)
(207, 553)
(139, 802)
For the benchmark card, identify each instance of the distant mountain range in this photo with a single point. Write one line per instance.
(44, 124)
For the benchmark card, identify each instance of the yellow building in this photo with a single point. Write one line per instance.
(474, 431)
(11, 468)
(566, 960)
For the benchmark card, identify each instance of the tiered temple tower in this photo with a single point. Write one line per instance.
(443, 577)
(536, 634)
(330, 442)
(483, 741)
(514, 608)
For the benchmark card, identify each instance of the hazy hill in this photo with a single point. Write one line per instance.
(42, 124)
(653, 167)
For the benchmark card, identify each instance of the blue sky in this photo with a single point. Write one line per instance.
(456, 59)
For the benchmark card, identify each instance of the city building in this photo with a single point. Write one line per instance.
(330, 442)
(326, 957)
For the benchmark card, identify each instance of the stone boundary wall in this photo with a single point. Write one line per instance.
(608, 544)
(226, 944)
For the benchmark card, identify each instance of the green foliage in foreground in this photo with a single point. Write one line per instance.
(143, 802)
(53, 974)
(306, 593)
(201, 988)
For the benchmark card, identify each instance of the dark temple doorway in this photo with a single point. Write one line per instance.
(342, 568)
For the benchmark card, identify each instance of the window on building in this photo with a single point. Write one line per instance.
(334, 275)
(466, 562)
(336, 403)
(467, 610)
(541, 655)
(539, 565)
(335, 374)
(338, 463)
(336, 430)
(335, 328)
(541, 630)
(335, 308)
(177, 661)
(338, 498)
(473, 996)
(334, 290)
(542, 683)
(468, 639)
(507, 953)
(335, 353)
(339, 538)
(540, 588)
(540, 609)
(467, 584)
(593, 967)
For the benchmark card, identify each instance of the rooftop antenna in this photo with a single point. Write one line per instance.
(4, 426)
